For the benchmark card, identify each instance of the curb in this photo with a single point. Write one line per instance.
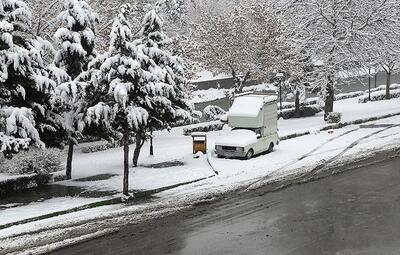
(136, 197)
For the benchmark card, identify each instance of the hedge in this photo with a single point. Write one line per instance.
(206, 127)
(378, 96)
(305, 111)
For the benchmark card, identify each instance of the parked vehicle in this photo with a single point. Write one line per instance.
(254, 123)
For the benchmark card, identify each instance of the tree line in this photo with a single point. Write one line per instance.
(52, 94)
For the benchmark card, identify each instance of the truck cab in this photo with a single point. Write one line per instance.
(254, 123)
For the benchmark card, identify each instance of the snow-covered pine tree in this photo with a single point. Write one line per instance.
(76, 48)
(24, 86)
(168, 69)
(131, 90)
(116, 80)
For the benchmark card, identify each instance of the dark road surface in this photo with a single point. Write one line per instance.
(357, 212)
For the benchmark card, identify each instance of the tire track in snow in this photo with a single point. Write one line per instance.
(320, 167)
(310, 153)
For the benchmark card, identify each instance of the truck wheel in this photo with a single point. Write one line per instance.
(271, 147)
(250, 154)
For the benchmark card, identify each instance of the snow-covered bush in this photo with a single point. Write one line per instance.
(33, 161)
(305, 111)
(348, 95)
(334, 117)
(97, 147)
(383, 87)
(379, 95)
(197, 114)
(213, 112)
(205, 127)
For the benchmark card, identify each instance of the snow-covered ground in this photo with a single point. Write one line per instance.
(142, 177)
(207, 76)
(293, 156)
(351, 110)
(212, 94)
(40, 208)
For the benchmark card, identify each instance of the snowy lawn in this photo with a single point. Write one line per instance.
(349, 108)
(174, 147)
(36, 209)
(141, 178)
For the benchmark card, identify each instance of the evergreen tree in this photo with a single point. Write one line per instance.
(24, 84)
(76, 42)
(169, 69)
(136, 88)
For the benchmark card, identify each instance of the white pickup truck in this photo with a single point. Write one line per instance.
(254, 121)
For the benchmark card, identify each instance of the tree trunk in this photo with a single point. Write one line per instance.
(389, 74)
(151, 145)
(297, 105)
(138, 147)
(330, 97)
(125, 190)
(68, 171)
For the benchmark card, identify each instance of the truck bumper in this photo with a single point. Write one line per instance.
(231, 154)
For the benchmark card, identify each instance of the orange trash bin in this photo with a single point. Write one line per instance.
(199, 142)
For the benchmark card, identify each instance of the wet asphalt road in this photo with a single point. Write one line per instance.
(357, 212)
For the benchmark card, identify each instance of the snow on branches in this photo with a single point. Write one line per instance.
(76, 37)
(19, 129)
(24, 82)
(336, 35)
(236, 40)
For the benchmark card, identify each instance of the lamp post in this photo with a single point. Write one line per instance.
(369, 84)
(280, 76)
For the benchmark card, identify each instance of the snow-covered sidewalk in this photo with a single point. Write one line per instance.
(306, 155)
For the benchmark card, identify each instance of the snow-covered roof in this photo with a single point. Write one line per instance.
(249, 106)
(238, 138)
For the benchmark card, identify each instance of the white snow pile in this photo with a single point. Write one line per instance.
(264, 87)
(201, 96)
(209, 76)
(237, 138)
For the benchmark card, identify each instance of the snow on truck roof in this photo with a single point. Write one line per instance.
(238, 138)
(250, 106)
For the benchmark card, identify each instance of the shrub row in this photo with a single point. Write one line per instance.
(309, 101)
(97, 147)
(206, 127)
(343, 96)
(33, 161)
(305, 111)
(378, 96)
(365, 93)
